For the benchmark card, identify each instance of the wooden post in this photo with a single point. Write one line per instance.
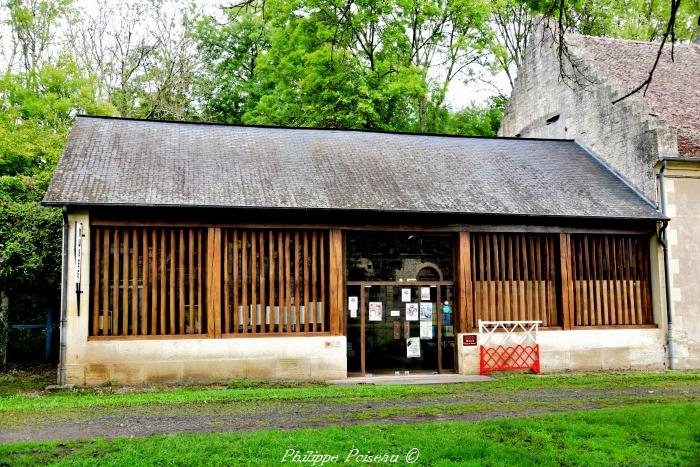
(567, 281)
(465, 305)
(213, 290)
(336, 281)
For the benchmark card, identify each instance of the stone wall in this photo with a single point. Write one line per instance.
(624, 135)
(682, 183)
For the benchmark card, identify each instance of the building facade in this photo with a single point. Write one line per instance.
(645, 138)
(209, 252)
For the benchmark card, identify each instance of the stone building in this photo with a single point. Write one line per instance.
(651, 140)
(210, 251)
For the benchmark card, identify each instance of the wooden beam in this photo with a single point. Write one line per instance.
(213, 287)
(465, 303)
(336, 273)
(567, 282)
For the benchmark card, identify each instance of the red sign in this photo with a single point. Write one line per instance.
(469, 340)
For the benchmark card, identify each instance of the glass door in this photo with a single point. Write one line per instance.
(399, 328)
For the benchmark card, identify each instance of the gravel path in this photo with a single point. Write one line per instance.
(228, 416)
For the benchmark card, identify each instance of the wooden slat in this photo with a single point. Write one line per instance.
(200, 305)
(638, 282)
(629, 281)
(646, 284)
(512, 309)
(542, 313)
(610, 316)
(271, 285)
(314, 284)
(520, 295)
(106, 325)
(596, 317)
(567, 283)
(115, 284)
(263, 304)
(134, 282)
(623, 280)
(287, 280)
(163, 284)
(497, 302)
(297, 305)
(481, 299)
(181, 281)
(526, 280)
(227, 282)
(144, 282)
(190, 279)
(154, 282)
(322, 277)
(487, 267)
(173, 256)
(253, 282)
(125, 283)
(235, 283)
(96, 234)
(616, 281)
(213, 282)
(244, 279)
(306, 282)
(281, 298)
(590, 294)
(549, 321)
(534, 308)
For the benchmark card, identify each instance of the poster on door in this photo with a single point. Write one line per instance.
(413, 347)
(353, 306)
(375, 311)
(405, 295)
(426, 329)
(426, 312)
(411, 312)
(425, 293)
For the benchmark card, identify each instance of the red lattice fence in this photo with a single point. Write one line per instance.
(509, 345)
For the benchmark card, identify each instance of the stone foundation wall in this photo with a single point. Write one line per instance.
(588, 350)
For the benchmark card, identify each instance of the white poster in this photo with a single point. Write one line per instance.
(405, 295)
(411, 312)
(395, 312)
(426, 312)
(426, 330)
(413, 347)
(352, 303)
(375, 311)
(425, 293)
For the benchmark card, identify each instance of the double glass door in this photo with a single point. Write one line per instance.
(400, 328)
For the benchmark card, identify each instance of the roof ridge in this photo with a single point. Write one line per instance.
(282, 127)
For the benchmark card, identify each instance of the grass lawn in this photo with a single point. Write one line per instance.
(645, 434)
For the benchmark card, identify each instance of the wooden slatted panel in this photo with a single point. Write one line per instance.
(610, 280)
(514, 278)
(138, 284)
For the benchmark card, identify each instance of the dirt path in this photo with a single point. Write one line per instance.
(227, 416)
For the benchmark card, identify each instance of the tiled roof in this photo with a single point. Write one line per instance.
(674, 93)
(110, 161)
